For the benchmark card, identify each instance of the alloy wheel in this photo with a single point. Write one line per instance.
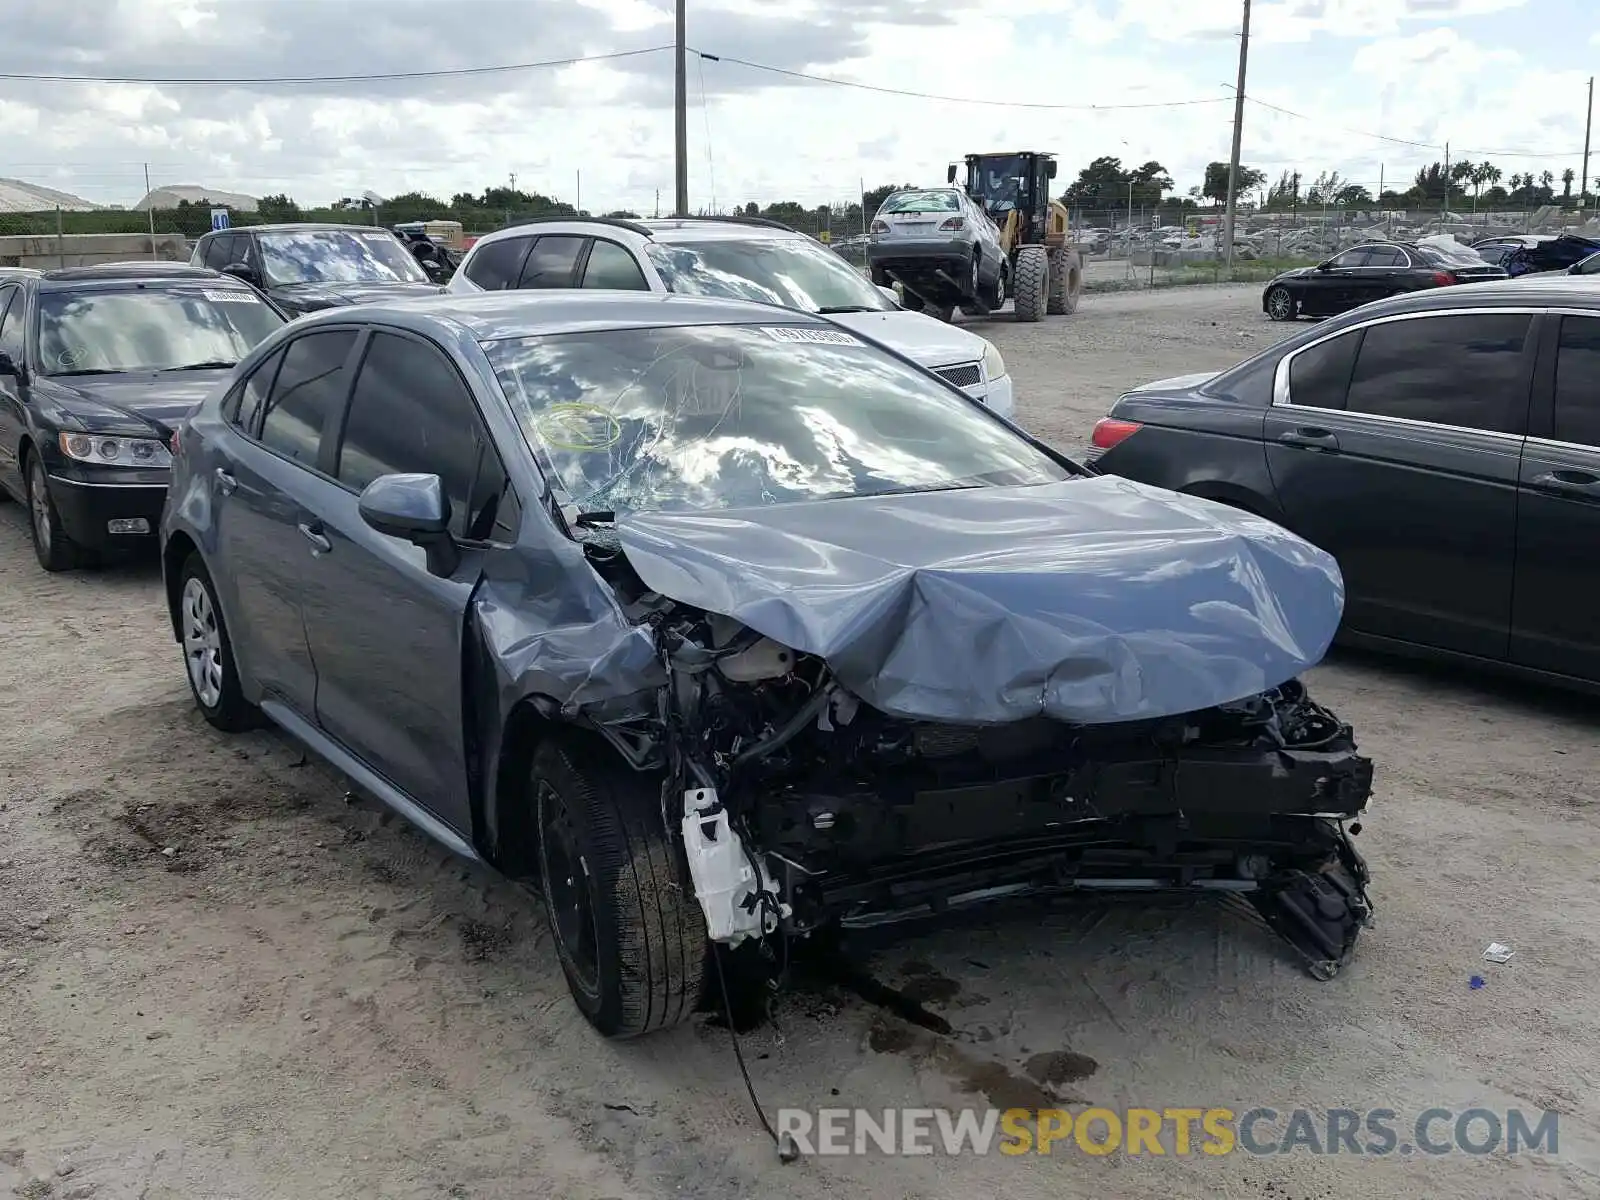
(202, 643)
(39, 505)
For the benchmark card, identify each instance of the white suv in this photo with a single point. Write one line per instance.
(742, 258)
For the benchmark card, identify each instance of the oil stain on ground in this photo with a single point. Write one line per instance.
(999, 1084)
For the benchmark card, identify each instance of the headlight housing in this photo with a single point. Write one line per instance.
(105, 451)
(993, 365)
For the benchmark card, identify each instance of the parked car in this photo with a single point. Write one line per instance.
(739, 258)
(1444, 447)
(306, 267)
(1524, 254)
(922, 230)
(736, 624)
(1370, 271)
(97, 364)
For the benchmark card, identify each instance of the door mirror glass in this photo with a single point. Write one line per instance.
(414, 508)
(243, 271)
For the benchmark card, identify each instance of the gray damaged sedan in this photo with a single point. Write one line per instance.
(722, 623)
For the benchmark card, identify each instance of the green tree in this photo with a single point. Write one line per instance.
(278, 208)
(1215, 186)
(1567, 177)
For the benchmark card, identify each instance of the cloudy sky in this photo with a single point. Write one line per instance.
(1507, 76)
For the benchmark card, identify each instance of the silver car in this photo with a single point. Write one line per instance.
(941, 247)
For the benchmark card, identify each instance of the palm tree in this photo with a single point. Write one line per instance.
(1547, 181)
(1479, 177)
(1567, 177)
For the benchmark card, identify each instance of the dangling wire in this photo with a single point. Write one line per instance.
(705, 113)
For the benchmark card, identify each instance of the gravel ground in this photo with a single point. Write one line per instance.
(221, 978)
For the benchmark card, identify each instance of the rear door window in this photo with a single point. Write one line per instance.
(552, 263)
(309, 386)
(1385, 256)
(1468, 370)
(612, 266)
(1320, 376)
(497, 265)
(1577, 410)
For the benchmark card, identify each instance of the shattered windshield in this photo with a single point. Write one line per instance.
(1001, 181)
(150, 329)
(922, 202)
(338, 256)
(721, 416)
(787, 271)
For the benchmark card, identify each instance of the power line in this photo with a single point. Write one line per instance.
(1383, 137)
(889, 91)
(265, 80)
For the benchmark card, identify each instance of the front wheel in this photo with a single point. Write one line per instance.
(51, 545)
(629, 933)
(1280, 304)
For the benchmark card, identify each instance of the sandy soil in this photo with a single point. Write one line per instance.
(218, 978)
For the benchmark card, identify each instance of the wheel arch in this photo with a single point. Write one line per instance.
(1234, 496)
(173, 555)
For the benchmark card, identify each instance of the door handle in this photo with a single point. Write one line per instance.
(313, 534)
(1569, 481)
(225, 482)
(1311, 437)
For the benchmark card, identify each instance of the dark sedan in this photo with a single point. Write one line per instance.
(304, 268)
(97, 366)
(737, 625)
(1531, 253)
(1444, 447)
(1371, 271)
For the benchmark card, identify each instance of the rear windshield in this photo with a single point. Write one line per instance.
(792, 272)
(338, 256)
(921, 202)
(1436, 254)
(93, 331)
(732, 416)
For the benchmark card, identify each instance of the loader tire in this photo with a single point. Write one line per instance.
(1032, 283)
(1066, 282)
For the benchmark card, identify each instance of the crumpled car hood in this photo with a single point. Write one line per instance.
(1090, 600)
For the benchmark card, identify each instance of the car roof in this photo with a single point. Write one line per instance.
(1578, 291)
(132, 272)
(496, 316)
(662, 229)
(306, 227)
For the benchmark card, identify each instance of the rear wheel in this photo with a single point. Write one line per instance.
(1032, 282)
(629, 933)
(208, 652)
(1066, 283)
(1280, 304)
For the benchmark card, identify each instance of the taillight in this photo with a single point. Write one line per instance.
(954, 223)
(1109, 432)
(879, 227)
(174, 442)
(1443, 278)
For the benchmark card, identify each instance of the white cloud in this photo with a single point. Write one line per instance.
(1416, 70)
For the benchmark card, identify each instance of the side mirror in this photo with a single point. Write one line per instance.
(415, 509)
(1325, 266)
(1050, 168)
(245, 272)
(892, 296)
(950, 173)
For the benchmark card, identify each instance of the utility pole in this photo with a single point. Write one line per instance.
(150, 210)
(579, 205)
(680, 117)
(1444, 212)
(1238, 136)
(513, 181)
(1588, 124)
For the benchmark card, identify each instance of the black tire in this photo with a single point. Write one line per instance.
(1032, 281)
(1066, 283)
(208, 651)
(628, 931)
(51, 545)
(1280, 304)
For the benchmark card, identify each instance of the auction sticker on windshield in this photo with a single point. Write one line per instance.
(799, 333)
(232, 296)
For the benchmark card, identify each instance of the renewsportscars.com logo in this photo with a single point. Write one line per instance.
(1169, 1132)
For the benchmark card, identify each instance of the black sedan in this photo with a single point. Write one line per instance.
(1371, 271)
(307, 267)
(1531, 253)
(97, 366)
(1444, 447)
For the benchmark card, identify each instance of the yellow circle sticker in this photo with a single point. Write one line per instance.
(580, 428)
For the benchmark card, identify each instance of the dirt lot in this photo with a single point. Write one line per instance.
(220, 979)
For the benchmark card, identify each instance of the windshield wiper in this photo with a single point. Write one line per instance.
(214, 365)
(86, 371)
(831, 309)
(601, 516)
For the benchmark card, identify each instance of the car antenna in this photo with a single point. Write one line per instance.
(788, 1151)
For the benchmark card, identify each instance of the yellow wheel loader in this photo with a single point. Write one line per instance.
(1043, 273)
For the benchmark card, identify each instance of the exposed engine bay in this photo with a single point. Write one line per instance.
(801, 805)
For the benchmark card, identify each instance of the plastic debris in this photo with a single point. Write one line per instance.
(1496, 953)
(1476, 982)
